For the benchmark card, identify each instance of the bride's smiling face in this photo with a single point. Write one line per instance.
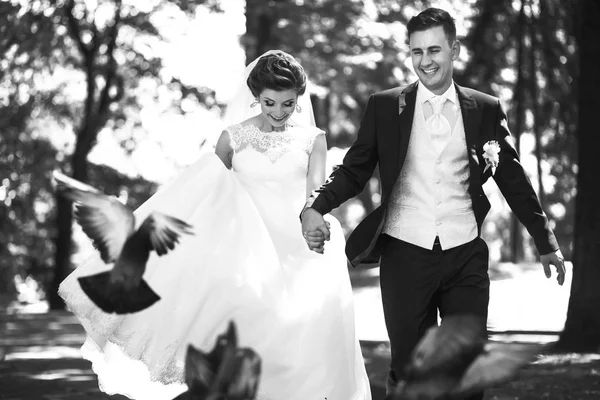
(277, 106)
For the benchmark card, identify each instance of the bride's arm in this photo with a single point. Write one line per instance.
(224, 150)
(315, 176)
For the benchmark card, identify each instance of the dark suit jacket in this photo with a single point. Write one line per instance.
(383, 138)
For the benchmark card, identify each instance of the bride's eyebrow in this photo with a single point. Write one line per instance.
(285, 101)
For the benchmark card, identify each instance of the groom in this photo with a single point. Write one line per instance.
(436, 144)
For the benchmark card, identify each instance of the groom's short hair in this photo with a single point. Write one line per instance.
(431, 18)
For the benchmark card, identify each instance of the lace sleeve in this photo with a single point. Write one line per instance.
(313, 135)
(234, 139)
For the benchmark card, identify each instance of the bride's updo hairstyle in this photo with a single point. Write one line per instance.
(277, 71)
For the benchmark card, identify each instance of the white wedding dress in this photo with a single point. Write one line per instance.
(246, 262)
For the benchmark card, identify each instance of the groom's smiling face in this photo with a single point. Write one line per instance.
(432, 56)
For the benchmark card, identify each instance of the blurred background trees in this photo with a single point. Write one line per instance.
(582, 327)
(515, 50)
(524, 53)
(83, 66)
(78, 74)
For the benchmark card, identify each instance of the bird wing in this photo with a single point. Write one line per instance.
(164, 231)
(449, 347)
(228, 339)
(498, 363)
(245, 379)
(105, 220)
(112, 297)
(199, 374)
(226, 348)
(206, 373)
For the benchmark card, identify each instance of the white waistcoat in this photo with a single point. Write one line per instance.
(430, 197)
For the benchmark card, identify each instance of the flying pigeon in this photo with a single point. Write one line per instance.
(111, 226)
(455, 359)
(227, 372)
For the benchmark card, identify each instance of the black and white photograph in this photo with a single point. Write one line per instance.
(299, 200)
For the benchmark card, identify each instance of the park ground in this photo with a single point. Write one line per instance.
(39, 351)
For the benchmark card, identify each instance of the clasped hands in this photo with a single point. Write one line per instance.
(315, 230)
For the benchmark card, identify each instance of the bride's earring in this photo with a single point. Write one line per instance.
(298, 108)
(254, 104)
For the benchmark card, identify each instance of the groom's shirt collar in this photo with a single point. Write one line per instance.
(424, 94)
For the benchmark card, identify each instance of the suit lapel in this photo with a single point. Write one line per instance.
(405, 122)
(471, 118)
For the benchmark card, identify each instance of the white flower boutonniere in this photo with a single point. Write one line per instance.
(491, 151)
(401, 103)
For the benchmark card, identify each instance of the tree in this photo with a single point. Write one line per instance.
(582, 327)
(520, 52)
(82, 65)
(348, 52)
(24, 161)
(24, 158)
(519, 98)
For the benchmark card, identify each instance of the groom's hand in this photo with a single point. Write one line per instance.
(558, 261)
(315, 241)
(315, 230)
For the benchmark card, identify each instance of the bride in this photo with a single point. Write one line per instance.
(246, 262)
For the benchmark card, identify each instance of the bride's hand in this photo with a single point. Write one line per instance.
(315, 230)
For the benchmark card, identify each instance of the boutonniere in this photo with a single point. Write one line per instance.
(491, 151)
(401, 103)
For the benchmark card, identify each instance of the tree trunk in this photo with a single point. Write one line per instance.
(582, 327)
(322, 108)
(261, 20)
(85, 137)
(96, 113)
(535, 107)
(64, 221)
(516, 237)
(62, 259)
(7, 269)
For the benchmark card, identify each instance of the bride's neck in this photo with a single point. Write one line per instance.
(279, 129)
(265, 126)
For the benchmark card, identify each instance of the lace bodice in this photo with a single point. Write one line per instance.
(272, 155)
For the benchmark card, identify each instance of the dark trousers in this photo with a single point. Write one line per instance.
(416, 283)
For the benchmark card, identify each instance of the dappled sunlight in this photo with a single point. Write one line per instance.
(554, 378)
(43, 337)
(523, 300)
(570, 358)
(175, 69)
(72, 375)
(43, 353)
(530, 301)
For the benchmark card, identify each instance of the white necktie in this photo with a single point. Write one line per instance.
(437, 124)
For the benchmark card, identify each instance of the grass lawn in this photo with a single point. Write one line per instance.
(552, 376)
(39, 352)
(40, 361)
